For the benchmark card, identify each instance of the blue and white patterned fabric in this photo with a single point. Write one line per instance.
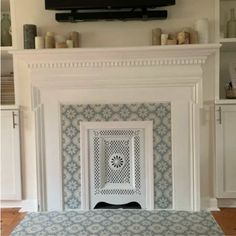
(159, 113)
(118, 223)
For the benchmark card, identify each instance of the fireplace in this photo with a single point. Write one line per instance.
(83, 87)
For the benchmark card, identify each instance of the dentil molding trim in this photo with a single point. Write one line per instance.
(117, 57)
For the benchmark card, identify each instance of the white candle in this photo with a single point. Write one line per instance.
(39, 42)
(69, 43)
(74, 36)
(164, 39)
(202, 27)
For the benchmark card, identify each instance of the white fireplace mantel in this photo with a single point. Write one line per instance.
(101, 67)
(107, 57)
(116, 75)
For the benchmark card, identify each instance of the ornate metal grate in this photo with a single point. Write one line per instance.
(113, 152)
(117, 161)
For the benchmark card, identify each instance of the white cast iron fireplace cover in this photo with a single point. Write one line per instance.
(118, 158)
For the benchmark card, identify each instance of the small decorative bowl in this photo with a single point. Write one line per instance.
(231, 93)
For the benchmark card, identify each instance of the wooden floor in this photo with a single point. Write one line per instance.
(226, 218)
(10, 218)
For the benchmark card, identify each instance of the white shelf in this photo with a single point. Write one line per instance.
(228, 44)
(6, 49)
(225, 102)
(228, 40)
(9, 107)
(5, 52)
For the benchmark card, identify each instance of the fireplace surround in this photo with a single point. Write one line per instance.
(116, 76)
(158, 147)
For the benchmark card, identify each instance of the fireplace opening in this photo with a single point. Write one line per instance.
(118, 154)
(130, 205)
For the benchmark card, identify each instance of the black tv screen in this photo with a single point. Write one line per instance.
(104, 4)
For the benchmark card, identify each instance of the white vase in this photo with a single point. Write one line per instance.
(202, 27)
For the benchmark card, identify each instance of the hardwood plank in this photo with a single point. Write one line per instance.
(226, 218)
(10, 218)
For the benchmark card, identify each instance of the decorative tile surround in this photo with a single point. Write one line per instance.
(159, 113)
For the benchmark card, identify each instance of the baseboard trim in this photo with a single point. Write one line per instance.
(227, 202)
(29, 205)
(213, 205)
(209, 204)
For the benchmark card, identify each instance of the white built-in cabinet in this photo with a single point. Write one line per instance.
(227, 54)
(10, 155)
(10, 130)
(226, 151)
(225, 109)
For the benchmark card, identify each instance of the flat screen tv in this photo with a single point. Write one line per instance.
(104, 4)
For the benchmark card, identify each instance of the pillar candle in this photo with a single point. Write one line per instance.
(69, 43)
(39, 42)
(202, 27)
(30, 31)
(156, 36)
(164, 38)
(74, 36)
(194, 37)
(49, 41)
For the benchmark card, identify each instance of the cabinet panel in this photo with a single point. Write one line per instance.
(10, 156)
(226, 151)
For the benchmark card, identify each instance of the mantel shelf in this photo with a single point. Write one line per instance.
(166, 48)
(117, 57)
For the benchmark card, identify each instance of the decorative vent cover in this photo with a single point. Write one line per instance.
(118, 155)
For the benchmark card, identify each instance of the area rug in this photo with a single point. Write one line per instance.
(118, 222)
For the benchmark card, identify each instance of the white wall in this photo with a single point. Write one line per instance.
(110, 34)
(116, 33)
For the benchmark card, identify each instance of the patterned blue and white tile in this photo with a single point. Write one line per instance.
(159, 113)
(118, 222)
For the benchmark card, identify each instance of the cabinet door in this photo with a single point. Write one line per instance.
(10, 156)
(226, 151)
